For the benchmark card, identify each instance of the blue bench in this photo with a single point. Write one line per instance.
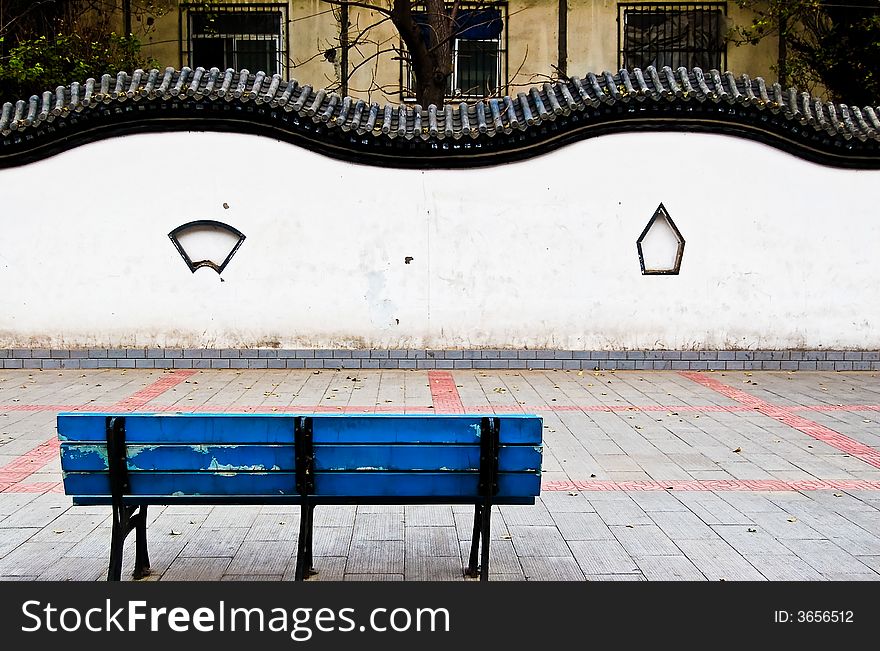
(131, 461)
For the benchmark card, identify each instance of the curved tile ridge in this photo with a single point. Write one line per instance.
(835, 134)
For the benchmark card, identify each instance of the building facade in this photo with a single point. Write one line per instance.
(500, 48)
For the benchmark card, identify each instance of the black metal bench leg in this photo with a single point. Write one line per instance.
(486, 536)
(310, 567)
(304, 544)
(472, 568)
(117, 540)
(142, 554)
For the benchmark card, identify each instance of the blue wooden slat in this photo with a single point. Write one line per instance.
(421, 457)
(182, 428)
(372, 484)
(185, 483)
(424, 484)
(173, 457)
(421, 429)
(277, 428)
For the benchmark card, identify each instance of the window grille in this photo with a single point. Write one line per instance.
(227, 35)
(672, 35)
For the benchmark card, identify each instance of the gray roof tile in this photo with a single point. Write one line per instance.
(848, 134)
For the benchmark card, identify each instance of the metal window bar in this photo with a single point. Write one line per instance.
(476, 72)
(672, 34)
(235, 35)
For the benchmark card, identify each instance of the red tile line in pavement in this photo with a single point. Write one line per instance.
(499, 409)
(784, 415)
(712, 485)
(13, 474)
(444, 394)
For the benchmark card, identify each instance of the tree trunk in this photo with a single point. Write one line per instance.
(431, 61)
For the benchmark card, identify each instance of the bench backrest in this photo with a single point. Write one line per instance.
(283, 457)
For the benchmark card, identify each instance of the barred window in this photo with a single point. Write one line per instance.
(251, 36)
(672, 35)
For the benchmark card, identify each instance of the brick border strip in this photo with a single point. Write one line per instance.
(637, 360)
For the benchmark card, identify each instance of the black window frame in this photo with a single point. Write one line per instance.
(646, 9)
(189, 11)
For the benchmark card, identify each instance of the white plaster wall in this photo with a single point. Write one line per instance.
(780, 252)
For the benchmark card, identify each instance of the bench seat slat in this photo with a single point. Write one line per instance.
(276, 428)
(421, 484)
(84, 457)
(401, 485)
(180, 428)
(511, 458)
(185, 483)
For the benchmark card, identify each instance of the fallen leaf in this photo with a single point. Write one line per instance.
(592, 475)
(573, 494)
(838, 494)
(629, 526)
(751, 530)
(792, 519)
(580, 374)
(738, 450)
(505, 536)
(58, 531)
(173, 533)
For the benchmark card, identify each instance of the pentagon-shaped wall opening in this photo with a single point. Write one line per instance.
(660, 245)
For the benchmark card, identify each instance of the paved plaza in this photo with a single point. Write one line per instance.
(647, 475)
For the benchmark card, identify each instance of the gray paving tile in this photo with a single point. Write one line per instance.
(682, 525)
(538, 541)
(75, 569)
(750, 541)
(551, 568)
(582, 526)
(214, 542)
(656, 501)
(566, 502)
(826, 557)
(376, 557)
(526, 515)
(718, 560)
(430, 515)
(620, 512)
(374, 577)
(712, 510)
(434, 568)
(70, 527)
(782, 567)
(645, 540)
(231, 516)
(32, 558)
(503, 558)
(596, 557)
(274, 526)
(331, 541)
(39, 513)
(329, 568)
(431, 541)
(378, 526)
(335, 516)
(669, 568)
(197, 569)
(259, 558)
(785, 526)
(12, 538)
